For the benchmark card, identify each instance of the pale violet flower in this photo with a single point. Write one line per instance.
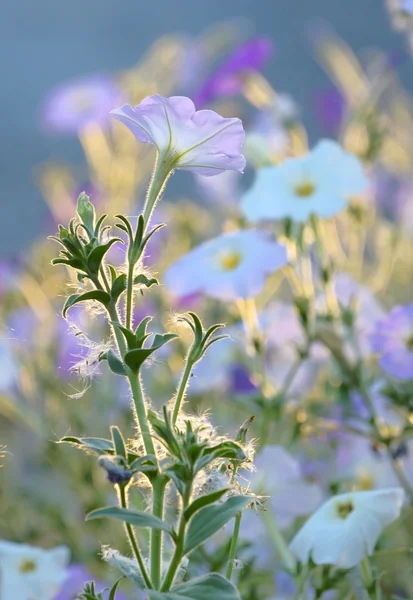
(76, 104)
(199, 141)
(231, 266)
(29, 573)
(318, 183)
(392, 340)
(347, 527)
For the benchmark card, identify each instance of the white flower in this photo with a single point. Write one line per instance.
(29, 573)
(347, 527)
(318, 183)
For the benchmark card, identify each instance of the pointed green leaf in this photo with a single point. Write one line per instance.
(207, 587)
(94, 260)
(118, 442)
(141, 328)
(98, 225)
(75, 263)
(211, 519)
(115, 363)
(98, 295)
(135, 358)
(129, 335)
(203, 501)
(114, 588)
(138, 518)
(118, 287)
(143, 280)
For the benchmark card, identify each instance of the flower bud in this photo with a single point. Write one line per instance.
(86, 212)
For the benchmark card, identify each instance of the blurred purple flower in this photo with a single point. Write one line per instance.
(75, 104)
(78, 575)
(330, 108)
(231, 266)
(392, 340)
(240, 380)
(227, 78)
(199, 141)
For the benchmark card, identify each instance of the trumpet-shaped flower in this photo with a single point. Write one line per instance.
(233, 265)
(200, 141)
(347, 527)
(393, 341)
(76, 104)
(318, 183)
(29, 573)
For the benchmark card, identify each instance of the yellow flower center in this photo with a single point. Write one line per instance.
(344, 509)
(304, 189)
(27, 566)
(365, 481)
(230, 260)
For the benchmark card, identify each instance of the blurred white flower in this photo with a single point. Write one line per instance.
(318, 183)
(29, 573)
(347, 527)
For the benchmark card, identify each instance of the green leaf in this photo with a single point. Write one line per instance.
(141, 328)
(143, 280)
(114, 588)
(118, 442)
(138, 518)
(86, 212)
(129, 335)
(203, 501)
(98, 225)
(94, 260)
(207, 587)
(118, 287)
(115, 363)
(135, 358)
(75, 263)
(211, 519)
(98, 295)
(98, 445)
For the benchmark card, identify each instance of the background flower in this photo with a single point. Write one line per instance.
(76, 104)
(392, 340)
(233, 265)
(228, 78)
(347, 527)
(29, 573)
(318, 183)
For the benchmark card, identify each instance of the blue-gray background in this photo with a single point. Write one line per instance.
(43, 42)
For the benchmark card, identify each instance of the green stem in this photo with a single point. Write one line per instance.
(140, 412)
(233, 547)
(129, 296)
(183, 384)
(179, 549)
(156, 534)
(132, 539)
(160, 176)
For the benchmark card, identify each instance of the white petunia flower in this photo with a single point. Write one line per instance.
(28, 573)
(347, 527)
(318, 183)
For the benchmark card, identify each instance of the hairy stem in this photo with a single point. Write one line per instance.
(179, 549)
(140, 412)
(183, 384)
(160, 176)
(233, 547)
(123, 500)
(129, 296)
(156, 534)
